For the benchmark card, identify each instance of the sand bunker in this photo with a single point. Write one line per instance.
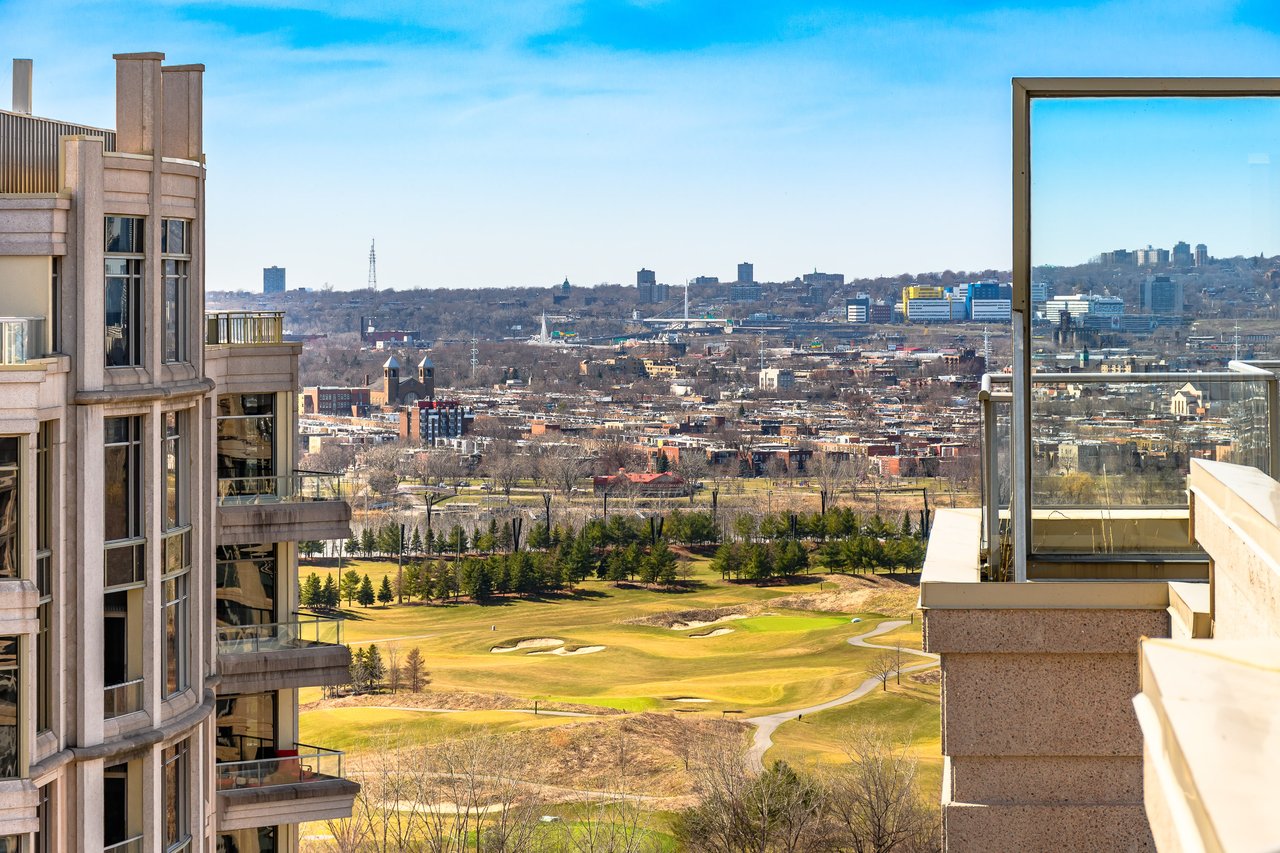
(694, 623)
(689, 699)
(580, 650)
(718, 632)
(536, 643)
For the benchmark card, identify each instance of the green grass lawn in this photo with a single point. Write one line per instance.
(782, 659)
(361, 728)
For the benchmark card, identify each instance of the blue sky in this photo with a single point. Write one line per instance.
(517, 143)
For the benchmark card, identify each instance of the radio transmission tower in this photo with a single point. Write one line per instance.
(475, 356)
(373, 267)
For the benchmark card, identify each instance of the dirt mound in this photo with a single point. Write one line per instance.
(891, 595)
(643, 753)
(682, 620)
(454, 701)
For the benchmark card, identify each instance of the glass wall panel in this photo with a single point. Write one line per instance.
(123, 270)
(259, 840)
(10, 699)
(10, 508)
(1153, 222)
(246, 438)
(246, 726)
(174, 771)
(246, 585)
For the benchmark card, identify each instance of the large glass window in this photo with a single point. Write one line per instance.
(247, 443)
(122, 502)
(258, 840)
(44, 820)
(177, 554)
(177, 831)
(10, 508)
(176, 252)
(175, 634)
(246, 726)
(246, 585)
(10, 693)
(124, 261)
(44, 559)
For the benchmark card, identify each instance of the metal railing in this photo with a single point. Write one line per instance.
(297, 487)
(121, 699)
(21, 339)
(299, 765)
(129, 845)
(1110, 455)
(243, 328)
(279, 636)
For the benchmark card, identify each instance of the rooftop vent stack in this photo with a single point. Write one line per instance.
(22, 86)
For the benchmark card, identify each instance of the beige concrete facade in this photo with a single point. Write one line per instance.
(109, 595)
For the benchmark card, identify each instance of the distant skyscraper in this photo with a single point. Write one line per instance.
(746, 273)
(273, 280)
(1202, 255)
(1152, 257)
(1160, 294)
(646, 277)
(1181, 254)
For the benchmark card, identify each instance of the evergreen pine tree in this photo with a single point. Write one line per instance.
(330, 594)
(385, 595)
(377, 669)
(367, 541)
(310, 595)
(350, 585)
(415, 541)
(352, 546)
(365, 596)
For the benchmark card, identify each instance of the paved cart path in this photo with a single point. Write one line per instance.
(766, 725)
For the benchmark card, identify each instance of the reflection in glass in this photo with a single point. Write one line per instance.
(9, 699)
(10, 507)
(246, 726)
(246, 585)
(246, 440)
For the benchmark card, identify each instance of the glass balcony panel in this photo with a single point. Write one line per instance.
(129, 845)
(279, 636)
(244, 328)
(301, 764)
(121, 699)
(298, 487)
(21, 339)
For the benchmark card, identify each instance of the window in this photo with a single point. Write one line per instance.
(10, 844)
(44, 559)
(259, 840)
(122, 502)
(175, 633)
(246, 585)
(176, 251)
(10, 686)
(124, 262)
(177, 832)
(246, 726)
(121, 801)
(54, 343)
(44, 820)
(10, 507)
(246, 443)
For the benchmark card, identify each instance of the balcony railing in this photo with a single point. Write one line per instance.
(299, 765)
(121, 699)
(279, 636)
(298, 487)
(243, 328)
(21, 339)
(1110, 455)
(129, 845)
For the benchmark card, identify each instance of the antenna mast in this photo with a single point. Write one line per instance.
(373, 267)
(475, 357)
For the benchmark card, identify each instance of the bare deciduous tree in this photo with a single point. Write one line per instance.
(883, 666)
(873, 802)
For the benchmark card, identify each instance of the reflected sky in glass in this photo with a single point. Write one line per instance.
(1122, 173)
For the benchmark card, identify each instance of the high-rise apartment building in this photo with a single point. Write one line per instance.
(746, 273)
(1152, 257)
(1162, 294)
(149, 512)
(273, 279)
(1181, 255)
(1201, 257)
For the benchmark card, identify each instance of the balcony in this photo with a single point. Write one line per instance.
(129, 845)
(293, 507)
(1040, 602)
(304, 783)
(21, 339)
(282, 655)
(244, 328)
(121, 699)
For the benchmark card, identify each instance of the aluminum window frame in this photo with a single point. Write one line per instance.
(1026, 90)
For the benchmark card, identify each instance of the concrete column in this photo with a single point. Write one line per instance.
(86, 655)
(139, 102)
(84, 312)
(183, 119)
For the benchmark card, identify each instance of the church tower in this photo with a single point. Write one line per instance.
(427, 378)
(391, 381)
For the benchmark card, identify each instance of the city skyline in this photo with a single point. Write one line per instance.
(538, 141)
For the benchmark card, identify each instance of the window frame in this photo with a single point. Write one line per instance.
(134, 276)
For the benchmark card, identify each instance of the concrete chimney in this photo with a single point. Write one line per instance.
(22, 86)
